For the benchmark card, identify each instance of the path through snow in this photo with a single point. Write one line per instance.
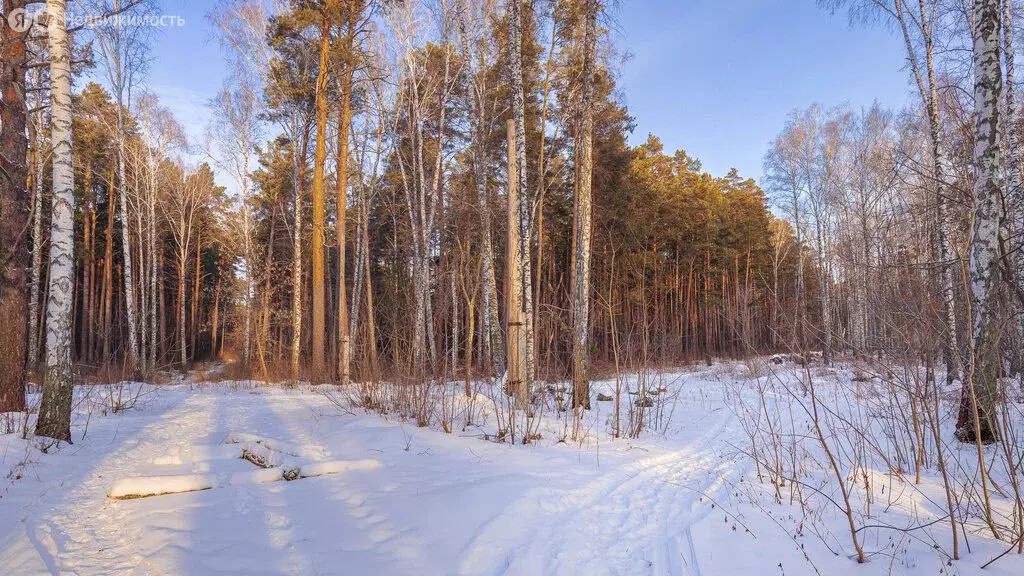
(676, 502)
(634, 520)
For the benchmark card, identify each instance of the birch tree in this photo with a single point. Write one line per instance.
(523, 300)
(242, 27)
(582, 218)
(917, 24)
(189, 195)
(236, 130)
(348, 61)
(475, 78)
(782, 171)
(58, 381)
(986, 282)
(35, 292)
(1014, 193)
(124, 52)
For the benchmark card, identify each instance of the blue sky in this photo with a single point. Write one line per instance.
(718, 77)
(713, 77)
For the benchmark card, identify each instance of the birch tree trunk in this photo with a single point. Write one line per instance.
(986, 252)
(515, 331)
(525, 206)
(37, 243)
(415, 201)
(371, 320)
(489, 316)
(117, 75)
(215, 322)
(542, 184)
(1014, 194)
(582, 219)
(154, 270)
(924, 22)
(58, 384)
(297, 183)
(344, 126)
(346, 328)
(183, 349)
(248, 283)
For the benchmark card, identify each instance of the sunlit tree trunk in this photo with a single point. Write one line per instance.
(58, 385)
(215, 321)
(515, 330)
(319, 161)
(525, 206)
(582, 217)
(298, 154)
(344, 126)
(14, 213)
(108, 268)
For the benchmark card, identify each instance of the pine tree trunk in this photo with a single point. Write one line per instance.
(108, 269)
(194, 319)
(14, 213)
(319, 161)
(161, 311)
(58, 383)
(87, 217)
(215, 322)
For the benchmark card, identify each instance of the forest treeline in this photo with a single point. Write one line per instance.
(445, 190)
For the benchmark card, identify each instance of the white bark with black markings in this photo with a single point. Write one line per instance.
(58, 384)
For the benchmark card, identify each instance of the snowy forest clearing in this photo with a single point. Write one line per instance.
(683, 498)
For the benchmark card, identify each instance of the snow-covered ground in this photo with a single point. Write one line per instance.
(342, 491)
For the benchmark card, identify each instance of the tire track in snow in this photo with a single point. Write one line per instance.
(628, 521)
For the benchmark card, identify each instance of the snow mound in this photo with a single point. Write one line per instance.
(145, 486)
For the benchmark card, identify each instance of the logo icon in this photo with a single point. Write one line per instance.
(20, 20)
